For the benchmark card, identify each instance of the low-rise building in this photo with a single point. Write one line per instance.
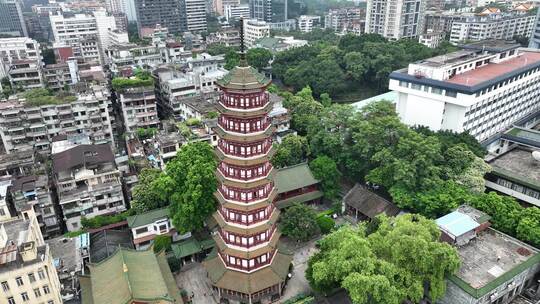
(481, 27)
(431, 39)
(25, 125)
(131, 55)
(27, 272)
(87, 182)
(296, 184)
(58, 76)
(227, 37)
(255, 30)
(21, 62)
(69, 255)
(495, 268)
(33, 192)
(516, 173)
(364, 205)
(279, 43)
(438, 21)
(343, 18)
(136, 277)
(15, 164)
(146, 226)
(139, 108)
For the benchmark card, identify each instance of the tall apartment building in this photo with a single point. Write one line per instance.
(32, 191)
(11, 18)
(195, 15)
(248, 266)
(80, 32)
(139, 108)
(437, 21)
(535, 37)
(254, 30)
(87, 182)
(395, 19)
(340, 19)
(21, 62)
(503, 27)
(167, 13)
(27, 272)
(271, 11)
(235, 12)
(59, 75)
(24, 126)
(482, 89)
(306, 22)
(220, 5)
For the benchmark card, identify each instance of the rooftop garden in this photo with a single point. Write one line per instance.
(42, 97)
(140, 79)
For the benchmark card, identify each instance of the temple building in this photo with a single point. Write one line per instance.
(248, 267)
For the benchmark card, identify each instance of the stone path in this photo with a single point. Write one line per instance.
(193, 279)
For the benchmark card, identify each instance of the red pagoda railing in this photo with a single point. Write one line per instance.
(249, 149)
(245, 264)
(236, 240)
(246, 195)
(247, 218)
(244, 173)
(244, 101)
(244, 126)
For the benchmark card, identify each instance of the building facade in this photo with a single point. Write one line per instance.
(167, 13)
(27, 272)
(88, 183)
(27, 127)
(21, 62)
(306, 22)
(344, 18)
(139, 108)
(437, 21)
(146, 226)
(247, 235)
(235, 12)
(535, 37)
(482, 89)
(255, 30)
(220, 5)
(11, 18)
(269, 10)
(395, 19)
(486, 27)
(195, 15)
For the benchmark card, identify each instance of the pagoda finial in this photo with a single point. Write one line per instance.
(243, 61)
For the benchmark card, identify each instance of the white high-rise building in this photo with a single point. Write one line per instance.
(395, 19)
(235, 12)
(492, 27)
(535, 37)
(482, 89)
(254, 30)
(306, 22)
(195, 11)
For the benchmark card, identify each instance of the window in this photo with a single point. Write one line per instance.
(37, 292)
(19, 281)
(141, 230)
(25, 297)
(436, 91)
(5, 286)
(31, 278)
(46, 289)
(2, 212)
(11, 300)
(41, 274)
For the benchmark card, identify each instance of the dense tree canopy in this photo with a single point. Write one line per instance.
(191, 176)
(151, 192)
(389, 265)
(299, 222)
(292, 150)
(325, 169)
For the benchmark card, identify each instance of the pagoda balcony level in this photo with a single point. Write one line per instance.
(243, 173)
(246, 218)
(247, 241)
(246, 195)
(244, 101)
(245, 150)
(244, 126)
(247, 265)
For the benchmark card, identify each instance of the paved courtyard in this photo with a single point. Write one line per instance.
(194, 281)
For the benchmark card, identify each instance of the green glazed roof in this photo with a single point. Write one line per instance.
(244, 78)
(147, 217)
(128, 276)
(294, 177)
(191, 246)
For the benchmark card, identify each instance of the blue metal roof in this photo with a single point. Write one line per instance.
(456, 223)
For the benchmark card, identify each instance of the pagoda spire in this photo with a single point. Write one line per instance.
(243, 61)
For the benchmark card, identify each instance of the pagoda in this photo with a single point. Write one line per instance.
(248, 267)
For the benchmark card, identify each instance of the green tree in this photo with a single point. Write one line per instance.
(394, 263)
(528, 227)
(326, 224)
(325, 170)
(292, 150)
(218, 49)
(162, 242)
(191, 175)
(151, 192)
(258, 57)
(232, 59)
(355, 65)
(299, 222)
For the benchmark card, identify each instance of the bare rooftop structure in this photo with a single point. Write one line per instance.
(489, 256)
(518, 163)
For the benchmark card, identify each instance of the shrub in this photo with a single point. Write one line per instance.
(162, 242)
(326, 224)
(103, 220)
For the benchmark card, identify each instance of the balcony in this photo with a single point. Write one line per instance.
(245, 150)
(246, 218)
(244, 126)
(246, 195)
(257, 264)
(244, 101)
(236, 240)
(244, 173)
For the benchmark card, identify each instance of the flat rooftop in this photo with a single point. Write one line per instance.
(494, 70)
(518, 162)
(489, 256)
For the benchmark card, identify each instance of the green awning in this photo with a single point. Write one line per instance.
(191, 246)
(306, 197)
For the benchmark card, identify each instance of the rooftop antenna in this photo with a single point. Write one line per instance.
(243, 61)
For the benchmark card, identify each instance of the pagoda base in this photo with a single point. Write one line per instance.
(261, 286)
